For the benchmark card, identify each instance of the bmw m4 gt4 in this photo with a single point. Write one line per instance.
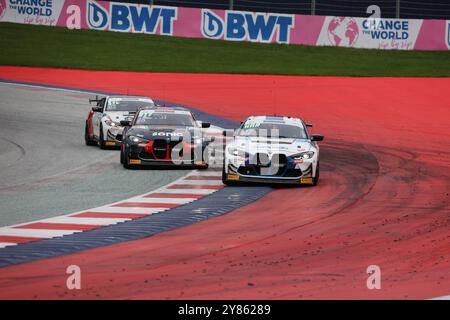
(271, 149)
(103, 122)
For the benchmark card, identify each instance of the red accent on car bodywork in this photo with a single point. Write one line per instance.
(167, 152)
(187, 148)
(149, 147)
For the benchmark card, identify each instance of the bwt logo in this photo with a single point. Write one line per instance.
(129, 17)
(250, 26)
(447, 34)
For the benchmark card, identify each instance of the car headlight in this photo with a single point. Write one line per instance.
(304, 155)
(136, 139)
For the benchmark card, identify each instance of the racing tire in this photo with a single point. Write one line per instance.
(205, 165)
(202, 167)
(126, 159)
(125, 162)
(87, 140)
(101, 141)
(316, 178)
(122, 157)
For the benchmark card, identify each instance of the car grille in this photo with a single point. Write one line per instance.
(293, 173)
(162, 150)
(261, 166)
(261, 159)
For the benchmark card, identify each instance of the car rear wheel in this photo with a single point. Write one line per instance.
(87, 140)
(126, 162)
(225, 181)
(126, 159)
(101, 141)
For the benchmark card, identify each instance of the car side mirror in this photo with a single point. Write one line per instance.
(206, 125)
(228, 132)
(317, 137)
(97, 109)
(125, 123)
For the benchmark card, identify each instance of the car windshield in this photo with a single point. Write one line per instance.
(151, 118)
(273, 130)
(119, 104)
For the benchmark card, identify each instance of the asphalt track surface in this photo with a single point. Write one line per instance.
(383, 199)
(46, 169)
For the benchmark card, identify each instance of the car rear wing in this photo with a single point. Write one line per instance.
(96, 100)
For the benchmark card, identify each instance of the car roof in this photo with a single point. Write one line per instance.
(168, 109)
(275, 120)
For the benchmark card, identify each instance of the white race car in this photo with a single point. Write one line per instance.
(272, 149)
(103, 121)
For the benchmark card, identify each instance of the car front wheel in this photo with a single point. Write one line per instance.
(126, 160)
(225, 181)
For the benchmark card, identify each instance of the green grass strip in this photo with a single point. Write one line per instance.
(40, 46)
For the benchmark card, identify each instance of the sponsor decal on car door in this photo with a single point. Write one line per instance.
(447, 34)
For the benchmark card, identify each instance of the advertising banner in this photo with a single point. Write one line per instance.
(375, 33)
(370, 33)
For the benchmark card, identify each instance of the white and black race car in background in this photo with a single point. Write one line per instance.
(103, 121)
(272, 149)
(164, 136)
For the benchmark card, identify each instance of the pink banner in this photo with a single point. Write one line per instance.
(228, 25)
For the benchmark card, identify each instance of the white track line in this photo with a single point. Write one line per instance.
(85, 221)
(206, 173)
(441, 298)
(202, 182)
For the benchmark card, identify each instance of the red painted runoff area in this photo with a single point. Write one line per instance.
(383, 198)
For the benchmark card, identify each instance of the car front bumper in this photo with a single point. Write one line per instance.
(269, 180)
(165, 163)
